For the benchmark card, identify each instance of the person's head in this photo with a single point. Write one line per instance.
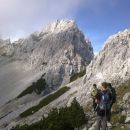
(109, 85)
(94, 86)
(104, 86)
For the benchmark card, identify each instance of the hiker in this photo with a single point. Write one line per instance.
(103, 108)
(95, 95)
(113, 93)
(113, 98)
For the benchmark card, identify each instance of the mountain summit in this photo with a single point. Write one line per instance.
(57, 52)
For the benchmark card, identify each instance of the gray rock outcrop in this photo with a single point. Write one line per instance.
(59, 51)
(112, 64)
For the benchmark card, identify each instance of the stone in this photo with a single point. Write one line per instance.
(123, 113)
(93, 126)
(109, 124)
(126, 96)
(127, 120)
(128, 117)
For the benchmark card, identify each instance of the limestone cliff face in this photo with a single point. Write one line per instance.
(59, 50)
(112, 64)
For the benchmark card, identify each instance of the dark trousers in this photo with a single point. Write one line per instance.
(94, 104)
(101, 123)
(109, 116)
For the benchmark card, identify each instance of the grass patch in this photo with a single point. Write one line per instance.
(120, 128)
(122, 90)
(88, 107)
(118, 118)
(125, 42)
(65, 118)
(118, 107)
(36, 87)
(77, 75)
(44, 102)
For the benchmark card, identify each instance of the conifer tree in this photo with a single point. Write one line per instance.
(76, 114)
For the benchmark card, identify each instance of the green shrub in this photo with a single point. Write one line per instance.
(116, 108)
(44, 102)
(118, 118)
(125, 42)
(36, 87)
(122, 119)
(66, 118)
(77, 75)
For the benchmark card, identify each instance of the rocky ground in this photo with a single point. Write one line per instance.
(120, 111)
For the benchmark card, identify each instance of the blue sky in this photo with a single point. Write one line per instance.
(103, 19)
(98, 19)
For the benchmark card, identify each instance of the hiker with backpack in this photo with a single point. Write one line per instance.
(113, 100)
(104, 105)
(95, 95)
(113, 92)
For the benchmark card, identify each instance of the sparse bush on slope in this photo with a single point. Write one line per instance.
(36, 87)
(77, 75)
(117, 118)
(66, 118)
(44, 102)
(119, 106)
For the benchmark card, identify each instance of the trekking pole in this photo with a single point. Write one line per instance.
(106, 117)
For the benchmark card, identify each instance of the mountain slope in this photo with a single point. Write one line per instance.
(112, 64)
(58, 51)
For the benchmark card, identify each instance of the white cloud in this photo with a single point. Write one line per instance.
(21, 17)
(97, 6)
(95, 53)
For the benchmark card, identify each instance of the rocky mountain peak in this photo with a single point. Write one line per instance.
(121, 37)
(59, 51)
(60, 25)
(4, 42)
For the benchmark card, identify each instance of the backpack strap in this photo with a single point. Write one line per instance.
(104, 101)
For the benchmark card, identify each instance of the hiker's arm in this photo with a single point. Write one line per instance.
(110, 95)
(98, 98)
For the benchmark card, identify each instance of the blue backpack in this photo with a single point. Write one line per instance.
(105, 101)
